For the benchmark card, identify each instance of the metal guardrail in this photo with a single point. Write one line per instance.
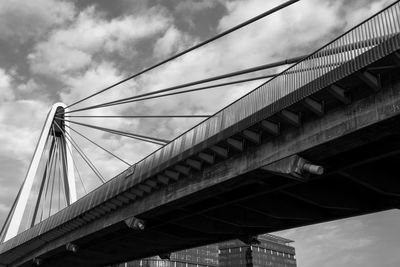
(368, 35)
(368, 42)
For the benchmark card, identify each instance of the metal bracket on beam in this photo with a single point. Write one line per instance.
(151, 183)
(252, 136)
(76, 224)
(165, 256)
(145, 188)
(81, 221)
(129, 195)
(194, 164)
(290, 117)
(220, 151)
(162, 179)
(206, 157)
(171, 174)
(270, 127)
(236, 144)
(89, 216)
(112, 206)
(339, 93)
(93, 215)
(294, 167)
(137, 192)
(182, 169)
(314, 106)
(72, 247)
(135, 223)
(96, 213)
(371, 80)
(105, 208)
(125, 200)
(115, 201)
(100, 211)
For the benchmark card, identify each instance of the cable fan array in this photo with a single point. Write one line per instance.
(61, 153)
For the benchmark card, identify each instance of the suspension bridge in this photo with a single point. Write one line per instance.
(316, 142)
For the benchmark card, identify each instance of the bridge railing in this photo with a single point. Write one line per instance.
(368, 42)
(380, 31)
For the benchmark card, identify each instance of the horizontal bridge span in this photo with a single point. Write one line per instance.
(228, 199)
(271, 99)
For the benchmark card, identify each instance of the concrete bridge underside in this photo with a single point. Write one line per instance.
(252, 190)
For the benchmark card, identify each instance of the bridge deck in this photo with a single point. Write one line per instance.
(370, 46)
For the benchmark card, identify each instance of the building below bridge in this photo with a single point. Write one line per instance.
(206, 256)
(272, 251)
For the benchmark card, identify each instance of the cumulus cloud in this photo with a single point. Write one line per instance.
(22, 20)
(72, 48)
(18, 134)
(357, 11)
(361, 241)
(192, 6)
(80, 52)
(30, 86)
(295, 30)
(173, 40)
(6, 93)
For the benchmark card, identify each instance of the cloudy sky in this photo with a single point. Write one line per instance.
(52, 51)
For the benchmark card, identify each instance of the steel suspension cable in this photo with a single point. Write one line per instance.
(157, 95)
(237, 27)
(136, 138)
(99, 146)
(76, 168)
(139, 116)
(82, 154)
(207, 80)
(56, 162)
(129, 136)
(183, 92)
(85, 156)
(64, 167)
(64, 170)
(224, 76)
(49, 175)
(44, 178)
(149, 139)
(59, 188)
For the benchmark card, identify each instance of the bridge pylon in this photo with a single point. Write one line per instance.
(51, 161)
